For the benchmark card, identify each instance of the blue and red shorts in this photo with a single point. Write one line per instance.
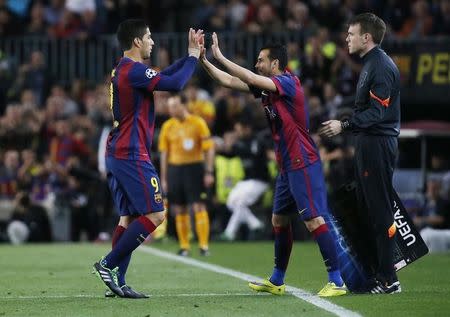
(302, 191)
(135, 186)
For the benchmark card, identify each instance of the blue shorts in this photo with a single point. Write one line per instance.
(302, 191)
(135, 186)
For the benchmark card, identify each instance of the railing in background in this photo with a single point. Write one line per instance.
(92, 60)
(424, 64)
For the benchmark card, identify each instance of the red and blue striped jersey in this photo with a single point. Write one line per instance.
(288, 118)
(132, 105)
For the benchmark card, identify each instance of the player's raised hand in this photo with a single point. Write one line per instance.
(202, 47)
(215, 47)
(194, 39)
(202, 53)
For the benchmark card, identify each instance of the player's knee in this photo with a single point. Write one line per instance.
(157, 218)
(314, 223)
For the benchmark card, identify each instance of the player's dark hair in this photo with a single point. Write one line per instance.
(183, 98)
(371, 24)
(128, 30)
(279, 52)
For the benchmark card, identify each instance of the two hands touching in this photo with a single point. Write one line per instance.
(195, 42)
(196, 45)
(214, 47)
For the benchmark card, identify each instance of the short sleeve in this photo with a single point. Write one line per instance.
(205, 134)
(162, 140)
(285, 85)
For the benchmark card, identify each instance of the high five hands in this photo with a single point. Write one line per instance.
(214, 47)
(195, 42)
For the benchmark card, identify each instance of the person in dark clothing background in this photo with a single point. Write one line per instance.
(34, 217)
(376, 126)
(251, 149)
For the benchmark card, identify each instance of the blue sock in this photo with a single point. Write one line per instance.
(136, 233)
(328, 250)
(123, 265)
(277, 277)
(335, 277)
(283, 247)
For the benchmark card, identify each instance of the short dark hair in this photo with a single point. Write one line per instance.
(130, 29)
(372, 24)
(183, 98)
(277, 51)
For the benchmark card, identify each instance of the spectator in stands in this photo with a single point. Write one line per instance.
(90, 25)
(69, 106)
(298, 18)
(266, 20)
(441, 19)
(53, 12)
(316, 64)
(435, 218)
(8, 182)
(28, 222)
(63, 145)
(420, 23)
(345, 68)
(332, 100)
(9, 25)
(35, 76)
(317, 113)
(68, 26)
(237, 11)
(37, 25)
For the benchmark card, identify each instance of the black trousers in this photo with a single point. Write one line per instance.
(375, 158)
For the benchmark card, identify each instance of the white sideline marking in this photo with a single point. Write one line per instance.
(297, 292)
(102, 296)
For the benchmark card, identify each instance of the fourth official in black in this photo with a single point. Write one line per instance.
(376, 126)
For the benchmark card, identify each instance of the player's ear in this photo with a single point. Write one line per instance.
(275, 63)
(137, 42)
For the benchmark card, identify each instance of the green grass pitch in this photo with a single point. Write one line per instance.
(55, 280)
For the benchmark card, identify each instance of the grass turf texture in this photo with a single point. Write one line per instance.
(55, 280)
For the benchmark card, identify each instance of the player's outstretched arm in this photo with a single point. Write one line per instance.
(221, 77)
(178, 79)
(247, 76)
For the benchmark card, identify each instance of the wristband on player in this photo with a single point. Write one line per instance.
(345, 125)
(192, 51)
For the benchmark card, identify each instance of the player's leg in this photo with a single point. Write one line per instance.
(247, 193)
(233, 205)
(123, 207)
(283, 205)
(178, 207)
(124, 222)
(196, 196)
(376, 167)
(308, 189)
(143, 191)
(182, 227)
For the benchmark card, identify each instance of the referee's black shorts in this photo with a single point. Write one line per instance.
(185, 183)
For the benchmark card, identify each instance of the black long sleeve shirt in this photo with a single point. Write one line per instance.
(252, 152)
(377, 100)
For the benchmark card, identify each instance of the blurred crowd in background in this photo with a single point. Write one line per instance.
(88, 18)
(52, 136)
